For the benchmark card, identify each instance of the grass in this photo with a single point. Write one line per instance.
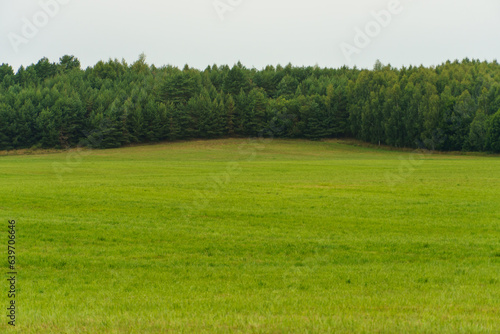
(245, 236)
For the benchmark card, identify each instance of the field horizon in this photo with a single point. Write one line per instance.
(348, 141)
(254, 236)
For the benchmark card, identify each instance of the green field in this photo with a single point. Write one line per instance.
(248, 236)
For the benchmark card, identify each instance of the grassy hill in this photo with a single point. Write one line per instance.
(254, 237)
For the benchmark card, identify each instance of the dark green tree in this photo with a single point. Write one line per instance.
(493, 136)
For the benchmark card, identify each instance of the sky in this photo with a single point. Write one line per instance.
(327, 33)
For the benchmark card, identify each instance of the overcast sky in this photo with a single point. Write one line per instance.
(330, 33)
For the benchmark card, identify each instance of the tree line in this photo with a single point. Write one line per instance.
(453, 106)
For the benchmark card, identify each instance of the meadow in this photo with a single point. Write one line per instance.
(249, 236)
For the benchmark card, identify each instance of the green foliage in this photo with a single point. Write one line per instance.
(45, 69)
(68, 63)
(60, 105)
(179, 87)
(493, 139)
(287, 87)
(5, 70)
(236, 80)
(478, 132)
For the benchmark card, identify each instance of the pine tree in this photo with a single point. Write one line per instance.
(478, 132)
(493, 135)
(6, 115)
(179, 88)
(5, 70)
(461, 118)
(236, 80)
(68, 63)
(287, 87)
(230, 115)
(47, 128)
(173, 123)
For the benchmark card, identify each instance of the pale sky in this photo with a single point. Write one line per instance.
(256, 32)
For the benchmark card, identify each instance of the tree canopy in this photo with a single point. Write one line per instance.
(453, 106)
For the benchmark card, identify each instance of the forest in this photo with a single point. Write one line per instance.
(451, 107)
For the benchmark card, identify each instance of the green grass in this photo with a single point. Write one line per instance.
(253, 237)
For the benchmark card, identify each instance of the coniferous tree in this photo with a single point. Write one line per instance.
(461, 118)
(449, 107)
(174, 124)
(493, 136)
(236, 80)
(477, 133)
(5, 70)
(179, 88)
(287, 87)
(230, 116)
(68, 63)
